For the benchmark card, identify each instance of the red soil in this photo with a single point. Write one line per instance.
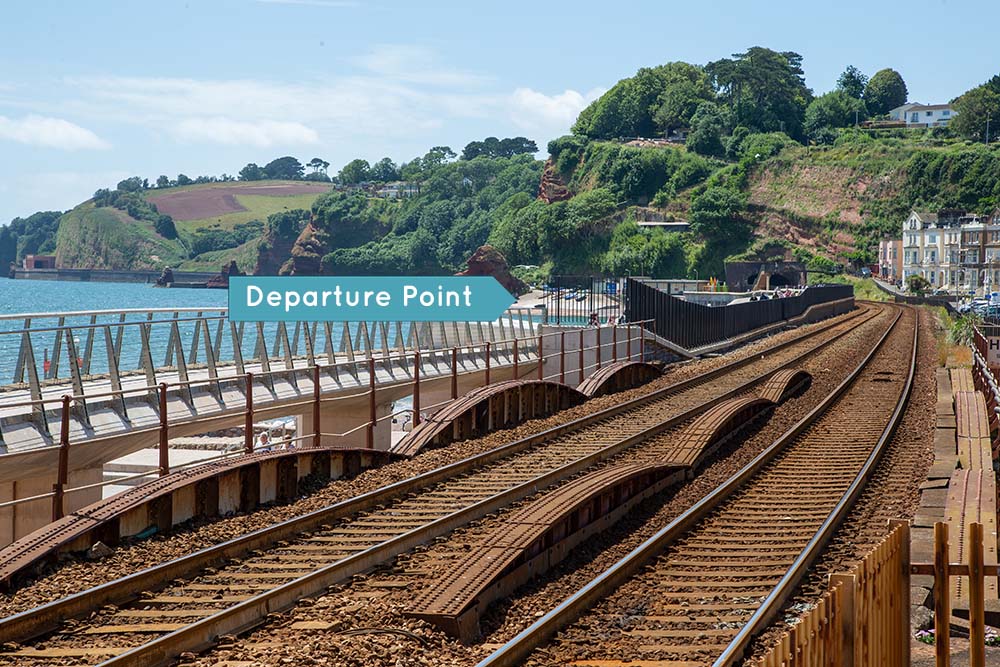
(220, 199)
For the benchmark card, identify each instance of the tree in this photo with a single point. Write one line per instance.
(655, 100)
(284, 168)
(707, 127)
(132, 184)
(972, 109)
(165, 227)
(512, 146)
(832, 110)
(885, 91)
(852, 82)
(994, 84)
(163, 182)
(355, 171)
(916, 283)
(252, 172)
(318, 165)
(384, 170)
(183, 180)
(715, 215)
(493, 147)
(437, 156)
(765, 90)
(687, 86)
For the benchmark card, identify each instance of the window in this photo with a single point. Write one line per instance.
(946, 112)
(928, 113)
(914, 117)
(932, 239)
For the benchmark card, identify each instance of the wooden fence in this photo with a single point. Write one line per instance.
(863, 620)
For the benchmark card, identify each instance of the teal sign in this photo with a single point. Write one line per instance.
(363, 298)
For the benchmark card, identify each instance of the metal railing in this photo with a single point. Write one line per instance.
(570, 300)
(122, 349)
(611, 344)
(691, 325)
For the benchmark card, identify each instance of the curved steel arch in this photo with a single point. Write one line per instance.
(618, 376)
(486, 409)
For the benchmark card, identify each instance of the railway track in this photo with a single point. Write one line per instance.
(181, 609)
(696, 592)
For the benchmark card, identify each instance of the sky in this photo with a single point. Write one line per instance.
(93, 92)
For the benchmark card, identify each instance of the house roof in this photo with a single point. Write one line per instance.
(923, 107)
(925, 216)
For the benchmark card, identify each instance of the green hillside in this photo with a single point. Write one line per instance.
(124, 235)
(740, 148)
(106, 238)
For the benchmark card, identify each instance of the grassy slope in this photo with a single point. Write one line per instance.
(106, 238)
(258, 208)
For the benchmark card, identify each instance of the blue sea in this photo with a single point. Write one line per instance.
(45, 297)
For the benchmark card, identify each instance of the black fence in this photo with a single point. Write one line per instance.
(692, 325)
(571, 299)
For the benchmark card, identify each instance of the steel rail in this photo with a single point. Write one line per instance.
(34, 622)
(515, 651)
(253, 611)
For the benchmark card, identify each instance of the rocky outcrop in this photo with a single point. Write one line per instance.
(166, 277)
(552, 188)
(221, 281)
(272, 253)
(307, 253)
(488, 261)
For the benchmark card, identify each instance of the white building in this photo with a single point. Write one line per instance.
(923, 115)
(951, 249)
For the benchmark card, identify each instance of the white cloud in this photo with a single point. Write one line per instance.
(336, 109)
(49, 133)
(54, 190)
(263, 134)
(414, 64)
(533, 110)
(312, 3)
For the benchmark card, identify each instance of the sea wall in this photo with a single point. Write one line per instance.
(108, 276)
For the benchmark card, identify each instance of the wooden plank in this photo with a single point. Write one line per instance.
(135, 627)
(76, 652)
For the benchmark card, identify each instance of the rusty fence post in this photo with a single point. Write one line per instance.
(487, 379)
(416, 389)
(370, 431)
(454, 373)
(164, 433)
(515, 359)
(628, 343)
(562, 357)
(581, 356)
(541, 359)
(316, 406)
(942, 597)
(62, 474)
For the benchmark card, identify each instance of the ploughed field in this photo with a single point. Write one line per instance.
(216, 200)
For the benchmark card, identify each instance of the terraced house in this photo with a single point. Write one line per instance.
(953, 250)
